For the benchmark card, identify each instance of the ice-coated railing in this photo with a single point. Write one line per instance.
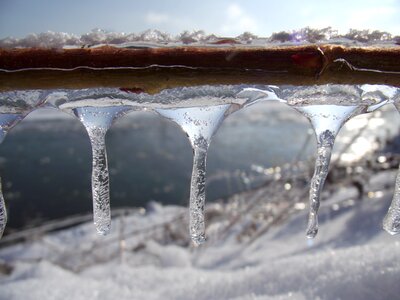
(198, 84)
(199, 111)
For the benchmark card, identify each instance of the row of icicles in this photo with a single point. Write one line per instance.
(200, 124)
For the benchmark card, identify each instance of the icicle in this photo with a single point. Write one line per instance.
(3, 212)
(380, 95)
(377, 96)
(7, 121)
(97, 121)
(326, 121)
(15, 105)
(391, 222)
(200, 124)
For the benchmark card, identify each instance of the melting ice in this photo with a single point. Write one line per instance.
(14, 106)
(200, 124)
(97, 121)
(326, 121)
(391, 222)
(199, 111)
(7, 121)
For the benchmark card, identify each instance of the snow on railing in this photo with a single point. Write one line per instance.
(98, 37)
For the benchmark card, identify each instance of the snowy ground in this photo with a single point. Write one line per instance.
(147, 257)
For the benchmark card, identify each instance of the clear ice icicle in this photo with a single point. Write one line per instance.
(97, 121)
(7, 121)
(391, 222)
(326, 121)
(200, 124)
(15, 105)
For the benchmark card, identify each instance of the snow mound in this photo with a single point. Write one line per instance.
(352, 258)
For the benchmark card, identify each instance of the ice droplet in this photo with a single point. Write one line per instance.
(7, 121)
(97, 121)
(326, 121)
(200, 124)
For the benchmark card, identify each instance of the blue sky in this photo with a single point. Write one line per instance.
(225, 17)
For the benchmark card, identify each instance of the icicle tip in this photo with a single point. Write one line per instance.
(198, 240)
(103, 231)
(391, 224)
(312, 233)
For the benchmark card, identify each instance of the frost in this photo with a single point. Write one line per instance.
(156, 38)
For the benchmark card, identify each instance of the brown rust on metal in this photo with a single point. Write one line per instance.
(154, 69)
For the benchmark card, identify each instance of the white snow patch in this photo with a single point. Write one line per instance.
(352, 258)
